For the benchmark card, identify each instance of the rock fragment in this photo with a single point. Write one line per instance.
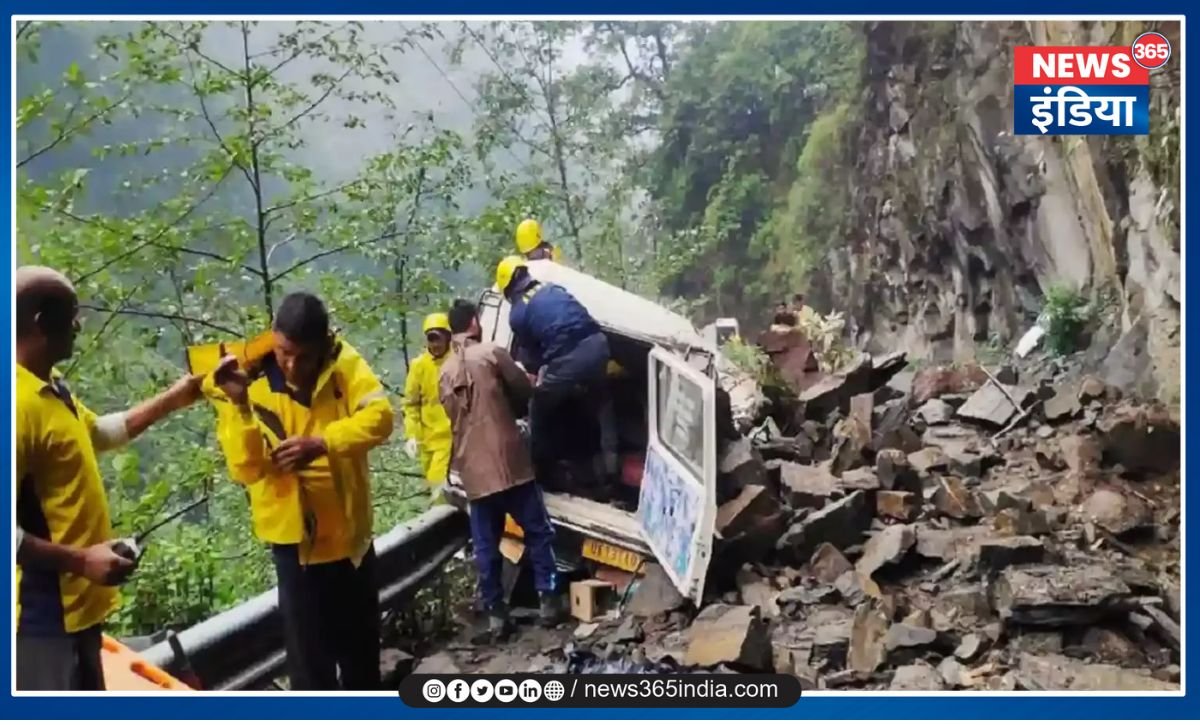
(997, 554)
(990, 406)
(970, 648)
(733, 635)
(827, 563)
(654, 594)
(897, 505)
(1058, 596)
(919, 676)
(953, 499)
(936, 382)
(1056, 672)
(935, 412)
(1142, 439)
(840, 524)
(885, 547)
(867, 639)
(808, 486)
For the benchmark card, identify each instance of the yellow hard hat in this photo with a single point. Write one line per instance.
(435, 321)
(505, 271)
(529, 236)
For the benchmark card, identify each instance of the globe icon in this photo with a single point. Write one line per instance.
(554, 691)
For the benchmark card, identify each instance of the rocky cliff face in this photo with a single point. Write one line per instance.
(960, 227)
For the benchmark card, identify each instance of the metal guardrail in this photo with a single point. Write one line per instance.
(242, 648)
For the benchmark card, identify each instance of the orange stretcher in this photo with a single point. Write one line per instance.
(125, 670)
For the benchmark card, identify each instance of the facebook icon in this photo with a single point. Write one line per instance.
(458, 691)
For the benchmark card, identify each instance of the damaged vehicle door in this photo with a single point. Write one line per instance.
(677, 507)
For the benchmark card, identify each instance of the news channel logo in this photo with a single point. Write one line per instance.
(482, 691)
(1086, 90)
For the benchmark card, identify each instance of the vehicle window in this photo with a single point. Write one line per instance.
(489, 313)
(681, 417)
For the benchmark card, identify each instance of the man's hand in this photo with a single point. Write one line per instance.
(100, 564)
(411, 447)
(185, 391)
(232, 380)
(297, 452)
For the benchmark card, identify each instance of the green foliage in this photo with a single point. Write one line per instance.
(435, 610)
(750, 359)
(167, 176)
(166, 168)
(1067, 313)
(817, 204)
(750, 173)
(564, 142)
(992, 351)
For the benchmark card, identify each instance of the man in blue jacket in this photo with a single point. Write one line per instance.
(563, 345)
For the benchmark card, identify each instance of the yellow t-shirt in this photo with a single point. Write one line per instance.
(60, 497)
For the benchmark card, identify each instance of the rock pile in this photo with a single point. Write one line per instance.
(956, 529)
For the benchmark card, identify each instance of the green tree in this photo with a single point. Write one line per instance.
(572, 130)
(754, 114)
(195, 194)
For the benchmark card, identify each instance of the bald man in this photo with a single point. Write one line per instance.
(67, 568)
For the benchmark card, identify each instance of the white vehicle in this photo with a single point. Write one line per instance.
(721, 330)
(676, 377)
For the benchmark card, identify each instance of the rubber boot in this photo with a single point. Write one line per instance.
(550, 610)
(499, 627)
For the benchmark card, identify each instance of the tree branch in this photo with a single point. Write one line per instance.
(301, 48)
(311, 107)
(156, 245)
(195, 48)
(166, 228)
(312, 197)
(22, 27)
(152, 314)
(260, 218)
(103, 327)
(69, 131)
(517, 86)
(335, 250)
(633, 71)
(313, 258)
(281, 243)
(208, 119)
(184, 330)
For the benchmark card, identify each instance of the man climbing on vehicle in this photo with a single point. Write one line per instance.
(68, 565)
(567, 352)
(484, 391)
(296, 430)
(531, 245)
(425, 423)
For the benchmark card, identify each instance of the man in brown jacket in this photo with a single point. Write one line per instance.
(482, 390)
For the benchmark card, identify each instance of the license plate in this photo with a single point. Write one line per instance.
(611, 555)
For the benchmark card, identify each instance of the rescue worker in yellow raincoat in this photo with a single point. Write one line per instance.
(296, 429)
(425, 423)
(531, 246)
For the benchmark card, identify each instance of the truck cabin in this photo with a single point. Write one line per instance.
(634, 326)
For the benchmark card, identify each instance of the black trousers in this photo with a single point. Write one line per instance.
(60, 661)
(330, 621)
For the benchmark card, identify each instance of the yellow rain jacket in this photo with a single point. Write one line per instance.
(425, 420)
(326, 507)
